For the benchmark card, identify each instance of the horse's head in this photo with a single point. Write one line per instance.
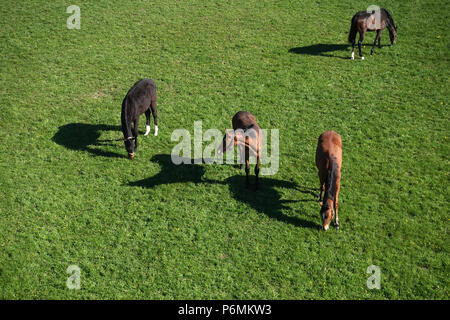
(130, 145)
(327, 213)
(228, 142)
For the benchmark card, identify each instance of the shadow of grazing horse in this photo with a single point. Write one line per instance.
(82, 136)
(172, 173)
(320, 49)
(267, 200)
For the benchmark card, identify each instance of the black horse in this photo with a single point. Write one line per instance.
(139, 99)
(375, 20)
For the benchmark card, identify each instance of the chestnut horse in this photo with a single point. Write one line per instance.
(375, 20)
(246, 134)
(139, 99)
(329, 162)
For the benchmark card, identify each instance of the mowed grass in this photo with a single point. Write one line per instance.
(147, 229)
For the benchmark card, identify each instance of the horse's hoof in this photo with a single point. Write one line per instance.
(362, 58)
(337, 227)
(131, 156)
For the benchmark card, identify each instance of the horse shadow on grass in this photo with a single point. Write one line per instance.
(172, 173)
(321, 49)
(85, 137)
(267, 200)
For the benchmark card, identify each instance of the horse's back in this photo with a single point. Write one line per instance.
(329, 145)
(244, 120)
(365, 19)
(143, 87)
(361, 15)
(247, 121)
(141, 95)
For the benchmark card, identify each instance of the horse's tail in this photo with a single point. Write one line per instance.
(124, 118)
(353, 30)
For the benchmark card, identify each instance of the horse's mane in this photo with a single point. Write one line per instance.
(330, 183)
(124, 119)
(390, 19)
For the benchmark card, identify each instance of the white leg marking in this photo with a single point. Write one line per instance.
(147, 130)
(362, 58)
(353, 55)
(156, 131)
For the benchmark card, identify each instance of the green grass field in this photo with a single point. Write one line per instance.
(147, 229)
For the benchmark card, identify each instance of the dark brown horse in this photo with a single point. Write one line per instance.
(139, 99)
(375, 20)
(246, 134)
(329, 162)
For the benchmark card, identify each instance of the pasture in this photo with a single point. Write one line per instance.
(148, 229)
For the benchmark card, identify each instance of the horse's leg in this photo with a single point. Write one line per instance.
(336, 207)
(247, 165)
(361, 38)
(321, 187)
(155, 115)
(135, 131)
(353, 49)
(257, 168)
(336, 204)
(379, 39)
(375, 42)
(241, 156)
(147, 122)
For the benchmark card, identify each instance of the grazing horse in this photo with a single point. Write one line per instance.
(246, 134)
(375, 20)
(329, 162)
(139, 99)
